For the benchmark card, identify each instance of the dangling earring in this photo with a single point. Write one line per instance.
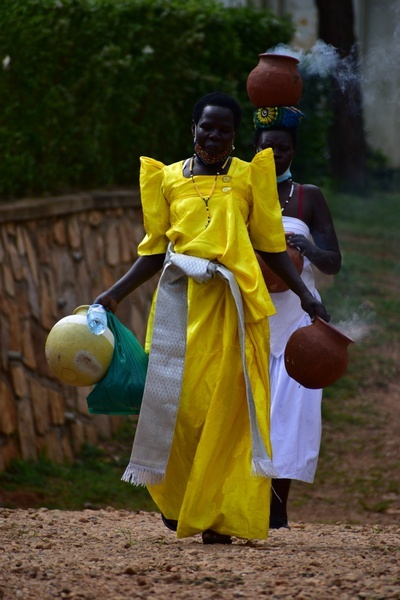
(233, 146)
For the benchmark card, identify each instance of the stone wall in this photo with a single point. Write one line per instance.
(56, 254)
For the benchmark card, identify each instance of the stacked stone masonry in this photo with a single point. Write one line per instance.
(56, 254)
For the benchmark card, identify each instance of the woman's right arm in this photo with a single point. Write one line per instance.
(141, 270)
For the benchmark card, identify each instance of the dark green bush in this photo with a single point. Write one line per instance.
(87, 86)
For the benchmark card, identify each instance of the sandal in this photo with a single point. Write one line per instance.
(212, 537)
(170, 523)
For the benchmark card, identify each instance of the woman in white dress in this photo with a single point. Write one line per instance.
(295, 410)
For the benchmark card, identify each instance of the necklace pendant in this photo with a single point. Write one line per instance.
(206, 199)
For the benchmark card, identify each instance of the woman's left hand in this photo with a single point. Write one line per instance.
(296, 240)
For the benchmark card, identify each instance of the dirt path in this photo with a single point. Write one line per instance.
(344, 541)
(117, 555)
(358, 475)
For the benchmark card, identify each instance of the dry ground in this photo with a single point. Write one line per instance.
(338, 546)
(358, 477)
(119, 555)
(344, 541)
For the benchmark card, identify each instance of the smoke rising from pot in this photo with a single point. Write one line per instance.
(376, 72)
(360, 324)
(324, 60)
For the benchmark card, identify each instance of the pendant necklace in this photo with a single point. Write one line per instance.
(289, 197)
(205, 199)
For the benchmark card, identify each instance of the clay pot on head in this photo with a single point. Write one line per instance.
(275, 81)
(273, 282)
(316, 355)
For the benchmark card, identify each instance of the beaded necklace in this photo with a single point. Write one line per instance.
(289, 197)
(211, 159)
(205, 199)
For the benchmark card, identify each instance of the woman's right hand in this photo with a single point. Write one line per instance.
(141, 270)
(106, 300)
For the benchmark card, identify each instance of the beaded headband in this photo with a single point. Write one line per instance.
(275, 116)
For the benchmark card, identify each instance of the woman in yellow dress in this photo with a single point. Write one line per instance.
(202, 443)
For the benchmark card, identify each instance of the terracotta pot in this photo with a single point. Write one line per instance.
(274, 283)
(275, 81)
(316, 355)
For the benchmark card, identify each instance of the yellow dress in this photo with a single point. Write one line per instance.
(209, 483)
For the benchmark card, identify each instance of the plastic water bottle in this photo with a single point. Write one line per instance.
(97, 319)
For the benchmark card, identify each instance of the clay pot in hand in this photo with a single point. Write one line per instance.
(275, 81)
(316, 355)
(273, 282)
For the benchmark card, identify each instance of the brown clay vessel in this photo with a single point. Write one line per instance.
(316, 355)
(275, 81)
(274, 283)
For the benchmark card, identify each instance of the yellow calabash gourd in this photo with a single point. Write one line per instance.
(74, 354)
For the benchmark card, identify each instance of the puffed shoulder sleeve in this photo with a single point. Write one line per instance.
(265, 221)
(155, 207)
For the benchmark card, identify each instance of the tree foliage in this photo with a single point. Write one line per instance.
(89, 85)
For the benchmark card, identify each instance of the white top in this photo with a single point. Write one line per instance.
(287, 304)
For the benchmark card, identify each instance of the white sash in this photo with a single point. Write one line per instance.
(156, 424)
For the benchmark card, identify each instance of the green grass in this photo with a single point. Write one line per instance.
(93, 481)
(366, 294)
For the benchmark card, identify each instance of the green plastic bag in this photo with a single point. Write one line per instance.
(121, 389)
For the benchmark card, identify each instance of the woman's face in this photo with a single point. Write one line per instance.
(215, 130)
(281, 143)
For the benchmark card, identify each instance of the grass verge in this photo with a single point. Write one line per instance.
(92, 481)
